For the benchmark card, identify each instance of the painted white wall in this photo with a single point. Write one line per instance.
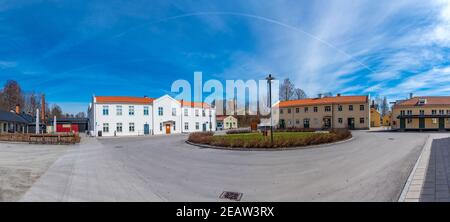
(167, 103)
(112, 119)
(192, 119)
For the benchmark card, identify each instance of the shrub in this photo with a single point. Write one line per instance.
(238, 131)
(295, 129)
(255, 140)
(201, 137)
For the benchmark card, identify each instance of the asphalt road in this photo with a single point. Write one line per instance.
(371, 167)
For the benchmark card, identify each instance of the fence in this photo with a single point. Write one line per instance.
(60, 138)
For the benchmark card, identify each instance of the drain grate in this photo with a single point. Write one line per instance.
(231, 195)
(390, 138)
(118, 147)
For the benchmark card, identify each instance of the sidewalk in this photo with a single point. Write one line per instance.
(430, 179)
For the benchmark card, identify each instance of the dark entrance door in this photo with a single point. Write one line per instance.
(351, 123)
(306, 123)
(421, 123)
(441, 123)
(146, 129)
(402, 123)
(327, 123)
(204, 127)
(282, 124)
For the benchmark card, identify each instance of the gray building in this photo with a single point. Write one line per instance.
(11, 122)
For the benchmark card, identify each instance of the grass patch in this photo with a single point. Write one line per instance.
(281, 139)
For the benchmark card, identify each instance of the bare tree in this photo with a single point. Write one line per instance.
(81, 115)
(12, 95)
(32, 102)
(384, 106)
(286, 90)
(300, 94)
(56, 111)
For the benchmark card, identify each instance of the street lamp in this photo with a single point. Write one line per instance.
(269, 81)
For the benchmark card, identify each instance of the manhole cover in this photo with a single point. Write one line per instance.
(231, 195)
(391, 139)
(118, 147)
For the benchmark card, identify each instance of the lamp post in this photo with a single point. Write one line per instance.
(269, 81)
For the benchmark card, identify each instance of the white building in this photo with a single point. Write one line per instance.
(134, 116)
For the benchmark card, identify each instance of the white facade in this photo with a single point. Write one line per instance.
(163, 115)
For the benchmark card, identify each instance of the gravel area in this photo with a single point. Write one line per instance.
(22, 164)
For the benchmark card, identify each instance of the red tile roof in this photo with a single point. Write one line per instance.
(430, 101)
(194, 104)
(324, 101)
(124, 99)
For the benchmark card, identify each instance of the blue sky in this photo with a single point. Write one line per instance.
(73, 49)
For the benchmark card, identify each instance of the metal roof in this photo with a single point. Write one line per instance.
(11, 117)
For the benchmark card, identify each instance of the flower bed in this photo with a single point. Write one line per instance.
(281, 139)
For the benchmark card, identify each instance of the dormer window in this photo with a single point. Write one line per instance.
(422, 101)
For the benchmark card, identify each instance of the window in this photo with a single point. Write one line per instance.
(327, 108)
(402, 112)
(448, 112)
(131, 110)
(160, 126)
(186, 125)
(197, 125)
(289, 122)
(350, 107)
(174, 126)
(119, 110)
(106, 127)
(409, 120)
(281, 111)
(421, 112)
(289, 110)
(433, 112)
(315, 109)
(306, 109)
(434, 120)
(297, 121)
(340, 120)
(145, 110)
(340, 108)
(160, 111)
(297, 110)
(131, 127)
(409, 112)
(185, 112)
(361, 120)
(361, 107)
(119, 127)
(306, 121)
(210, 113)
(105, 110)
(441, 112)
(196, 112)
(174, 111)
(203, 113)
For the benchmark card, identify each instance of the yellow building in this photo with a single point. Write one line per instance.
(324, 113)
(227, 122)
(386, 120)
(375, 118)
(422, 113)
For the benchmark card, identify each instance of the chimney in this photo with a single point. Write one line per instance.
(18, 109)
(43, 108)
(338, 94)
(319, 95)
(410, 95)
